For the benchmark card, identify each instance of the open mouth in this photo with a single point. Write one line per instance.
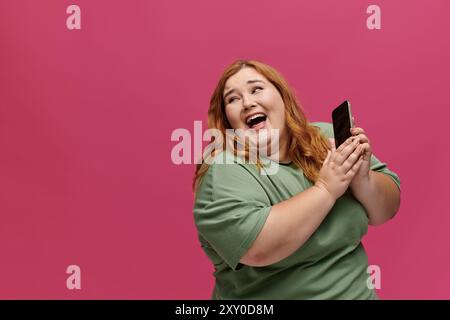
(257, 121)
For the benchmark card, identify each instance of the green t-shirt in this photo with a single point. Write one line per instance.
(231, 207)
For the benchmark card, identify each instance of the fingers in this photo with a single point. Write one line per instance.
(333, 144)
(366, 151)
(348, 153)
(352, 159)
(351, 173)
(344, 150)
(357, 130)
(345, 144)
(327, 159)
(360, 133)
(362, 138)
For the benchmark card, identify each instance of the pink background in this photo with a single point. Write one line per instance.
(86, 118)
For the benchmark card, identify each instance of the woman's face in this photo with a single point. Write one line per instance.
(248, 94)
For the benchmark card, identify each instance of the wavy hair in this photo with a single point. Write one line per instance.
(307, 147)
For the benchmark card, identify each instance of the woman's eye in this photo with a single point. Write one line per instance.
(232, 99)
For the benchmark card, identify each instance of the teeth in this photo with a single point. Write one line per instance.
(255, 116)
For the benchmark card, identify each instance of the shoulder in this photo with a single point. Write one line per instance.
(225, 164)
(225, 175)
(325, 127)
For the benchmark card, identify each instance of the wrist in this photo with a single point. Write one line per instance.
(359, 186)
(325, 192)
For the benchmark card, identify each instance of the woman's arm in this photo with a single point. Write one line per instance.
(376, 191)
(289, 224)
(379, 195)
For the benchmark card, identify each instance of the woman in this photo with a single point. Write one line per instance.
(295, 234)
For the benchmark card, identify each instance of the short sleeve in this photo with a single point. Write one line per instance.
(379, 166)
(375, 163)
(230, 210)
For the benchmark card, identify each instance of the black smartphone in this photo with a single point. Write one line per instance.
(342, 123)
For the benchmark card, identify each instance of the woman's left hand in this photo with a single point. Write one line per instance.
(362, 176)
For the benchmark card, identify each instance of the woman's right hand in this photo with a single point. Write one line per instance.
(340, 166)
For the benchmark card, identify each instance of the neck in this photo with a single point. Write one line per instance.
(283, 153)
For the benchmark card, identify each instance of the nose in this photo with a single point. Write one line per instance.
(248, 103)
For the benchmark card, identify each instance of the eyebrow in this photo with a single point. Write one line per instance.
(232, 90)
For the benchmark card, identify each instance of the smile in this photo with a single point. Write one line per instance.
(256, 121)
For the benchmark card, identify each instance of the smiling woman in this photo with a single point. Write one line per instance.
(295, 234)
(254, 104)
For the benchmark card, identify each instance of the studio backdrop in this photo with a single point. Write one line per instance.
(92, 203)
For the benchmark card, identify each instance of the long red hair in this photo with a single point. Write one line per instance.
(307, 147)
